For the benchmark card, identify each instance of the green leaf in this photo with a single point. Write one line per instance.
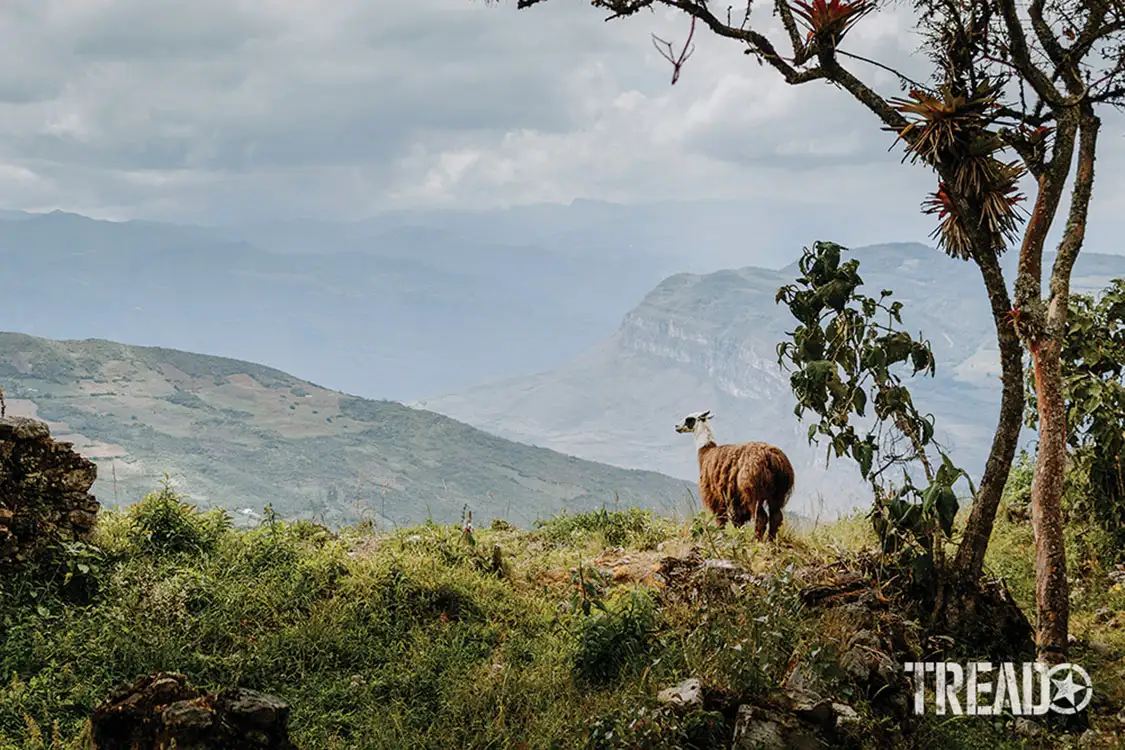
(927, 430)
(865, 454)
(946, 510)
(859, 401)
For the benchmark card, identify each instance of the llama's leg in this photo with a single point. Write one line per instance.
(775, 522)
(738, 514)
(761, 519)
(715, 506)
(721, 514)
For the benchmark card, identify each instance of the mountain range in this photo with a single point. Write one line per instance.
(384, 309)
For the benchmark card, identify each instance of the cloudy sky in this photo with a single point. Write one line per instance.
(221, 109)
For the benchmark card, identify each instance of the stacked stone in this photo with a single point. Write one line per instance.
(44, 490)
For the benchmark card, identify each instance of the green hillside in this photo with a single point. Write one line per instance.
(239, 435)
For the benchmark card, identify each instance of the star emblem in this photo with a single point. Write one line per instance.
(1067, 689)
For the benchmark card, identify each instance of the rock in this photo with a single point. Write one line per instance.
(693, 578)
(688, 694)
(859, 614)
(845, 715)
(125, 717)
(162, 710)
(1025, 727)
(44, 491)
(802, 680)
(184, 717)
(17, 429)
(757, 728)
(867, 664)
(811, 708)
(250, 708)
(1094, 739)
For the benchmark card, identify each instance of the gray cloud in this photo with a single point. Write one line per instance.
(220, 109)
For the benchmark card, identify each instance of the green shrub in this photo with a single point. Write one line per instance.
(162, 523)
(630, 527)
(616, 638)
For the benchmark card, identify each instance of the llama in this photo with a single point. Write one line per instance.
(740, 482)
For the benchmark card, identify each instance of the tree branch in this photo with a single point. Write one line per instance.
(1051, 181)
(836, 73)
(757, 42)
(902, 78)
(1076, 223)
(802, 52)
(1046, 37)
(1021, 55)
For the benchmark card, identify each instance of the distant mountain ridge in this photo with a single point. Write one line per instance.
(380, 309)
(709, 341)
(241, 436)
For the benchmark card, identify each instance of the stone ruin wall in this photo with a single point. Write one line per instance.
(44, 490)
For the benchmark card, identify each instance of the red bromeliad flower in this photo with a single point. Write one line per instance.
(829, 20)
(939, 202)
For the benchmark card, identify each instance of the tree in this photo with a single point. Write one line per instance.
(1013, 92)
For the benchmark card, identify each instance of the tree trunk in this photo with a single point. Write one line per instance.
(974, 543)
(1051, 589)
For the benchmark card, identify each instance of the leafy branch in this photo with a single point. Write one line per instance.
(845, 355)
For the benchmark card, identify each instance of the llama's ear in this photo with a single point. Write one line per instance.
(705, 415)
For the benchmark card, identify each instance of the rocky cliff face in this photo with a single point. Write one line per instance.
(44, 490)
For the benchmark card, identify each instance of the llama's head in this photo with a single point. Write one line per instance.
(693, 422)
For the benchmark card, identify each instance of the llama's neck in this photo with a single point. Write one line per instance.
(704, 437)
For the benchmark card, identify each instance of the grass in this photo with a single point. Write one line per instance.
(417, 638)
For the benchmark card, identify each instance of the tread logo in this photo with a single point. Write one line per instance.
(1030, 688)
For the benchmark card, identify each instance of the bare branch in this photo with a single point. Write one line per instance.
(1021, 56)
(1043, 32)
(836, 73)
(758, 44)
(685, 53)
(901, 77)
